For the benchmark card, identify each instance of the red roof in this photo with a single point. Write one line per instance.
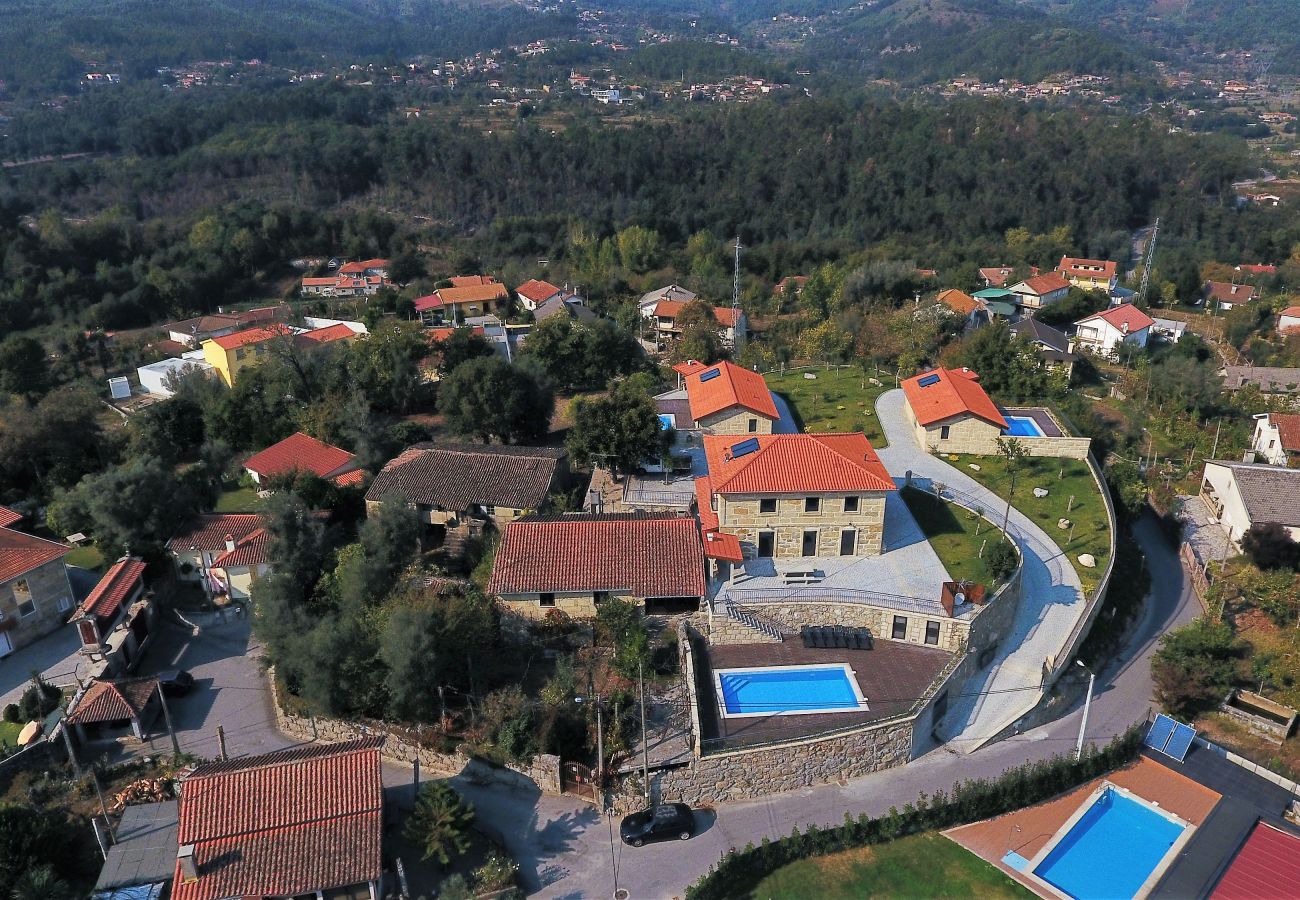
(731, 386)
(8, 517)
(537, 291)
(1126, 317)
(301, 453)
(723, 546)
(704, 504)
(644, 555)
(329, 334)
(1291, 311)
(249, 551)
(468, 280)
(208, 532)
(1258, 269)
(356, 268)
(996, 276)
(671, 309)
(112, 701)
(20, 553)
(1226, 292)
(285, 823)
(1267, 865)
(118, 583)
(1288, 429)
(1046, 284)
(1077, 267)
(958, 301)
(794, 464)
(349, 479)
(956, 392)
(250, 336)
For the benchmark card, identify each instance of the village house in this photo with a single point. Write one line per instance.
(1090, 274)
(720, 399)
(193, 332)
(1168, 330)
(1039, 291)
(673, 292)
(951, 413)
(1269, 379)
(35, 594)
(1103, 333)
(533, 293)
(224, 552)
(233, 353)
(795, 495)
(1276, 439)
(115, 620)
(476, 295)
(1226, 296)
(107, 707)
(732, 324)
(1257, 269)
(997, 276)
(303, 454)
(1288, 320)
(790, 284)
(459, 489)
(564, 304)
(969, 308)
(575, 562)
(1054, 348)
(354, 279)
(160, 378)
(304, 822)
(1240, 495)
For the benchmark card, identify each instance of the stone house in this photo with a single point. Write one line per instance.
(795, 495)
(534, 292)
(574, 562)
(951, 413)
(1276, 439)
(1269, 379)
(300, 453)
(106, 707)
(35, 594)
(115, 619)
(720, 399)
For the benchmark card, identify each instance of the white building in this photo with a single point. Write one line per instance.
(649, 301)
(1103, 332)
(1277, 438)
(157, 378)
(1240, 495)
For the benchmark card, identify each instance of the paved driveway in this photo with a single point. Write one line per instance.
(1051, 604)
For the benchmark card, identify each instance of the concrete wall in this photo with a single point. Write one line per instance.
(735, 420)
(51, 595)
(741, 516)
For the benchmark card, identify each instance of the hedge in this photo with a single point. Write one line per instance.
(739, 872)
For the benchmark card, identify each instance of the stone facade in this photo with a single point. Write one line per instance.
(790, 616)
(577, 605)
(50, 593)
(735, 420)
(743, 516)
(1069, 447)
(964, 433)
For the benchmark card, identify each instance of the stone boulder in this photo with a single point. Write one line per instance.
(1087, 560)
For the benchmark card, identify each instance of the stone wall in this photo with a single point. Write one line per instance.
(51, 595)
(966, 434)
(735, 420)
(791, 615)
(741, 517)
(722, 629)
(542, 773)
(1068, 447)
(576, 605)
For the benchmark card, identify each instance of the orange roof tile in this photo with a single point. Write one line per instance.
(671, 309)
(1266, 865)
(1226, 292)
(112, 701)
(112, 590)
(958, 301)
(723, 546)
(299, 452)
(1077, 267)
(996, 276)
(328, 335)
(1288, 429)
(1292, 311)
(704, 504)
(249, 551)
(251, 336)
(732, 386)
(536, 290)
(9, 517)
(794, 463)
(350, 479)
(947, 393)
(1126, 314)
(1046, 284)
(20, 553)
(467, 280)
(208, 532)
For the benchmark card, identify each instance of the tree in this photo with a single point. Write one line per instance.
(167, 430)
(1195, 667)
(620, 431)
(490, 398)
(1014, 452)
(24, 369)
(384, 366)
(1270, 546)
(578, 356)
(638, 248)
(41, 883)
(131, 508)
(461, 346)
(407, 267)
(440, 824)
(1007, 367)
(826, 342)
(701, 334)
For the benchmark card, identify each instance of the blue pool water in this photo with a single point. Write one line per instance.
(787, 691)
(1111, 851)
(1022, 426)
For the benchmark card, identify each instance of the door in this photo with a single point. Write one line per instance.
(767, 543)
(848, 542)
(809, 543)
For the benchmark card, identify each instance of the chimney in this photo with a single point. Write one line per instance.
(230, 542)
(1234, 288)
(1124, 327)
(185, 862)
(1069, 346)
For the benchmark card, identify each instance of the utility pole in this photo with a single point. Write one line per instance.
(1087, 704)
(735, 278)
(221, 742)
(1146, 266)
(645, 739)
(600, 756)
(167, 717)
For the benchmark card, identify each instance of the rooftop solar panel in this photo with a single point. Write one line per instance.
(710, 374)
(1160, 731)
(744, 447)
(928, 380)
(1180, 741)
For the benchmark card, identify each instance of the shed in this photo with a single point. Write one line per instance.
(155, 378)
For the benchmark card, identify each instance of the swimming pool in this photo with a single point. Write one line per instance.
(1022, 426)
(788, 690)
(1112, 849)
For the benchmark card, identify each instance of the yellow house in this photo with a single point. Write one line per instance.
(232, 353)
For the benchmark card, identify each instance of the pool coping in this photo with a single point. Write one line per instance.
(1038, 429)
(850, 674)
(1048, 889)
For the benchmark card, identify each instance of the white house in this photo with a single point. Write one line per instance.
(1171, 330)
(1288, 319)
(158, 378)
(534, 292)
(1103, 332)
(1277, 438)
(672, 292)
(1240, 495)
(1226, 295)
(1038, 291)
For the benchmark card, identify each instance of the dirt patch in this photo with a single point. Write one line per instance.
(841, 865)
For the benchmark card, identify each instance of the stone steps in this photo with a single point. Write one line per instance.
(749, 620)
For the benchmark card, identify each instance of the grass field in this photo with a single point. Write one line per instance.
(1063, 479)
(238, 500)
(9, 733)
(921, 866)
(86, 557)
(955, 534)
(834, 400)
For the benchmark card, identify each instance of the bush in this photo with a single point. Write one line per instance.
(39, 700)
(498, 873)
(1002, 560)
(440, 824)
(1195, 667)
(1269, 546)
(11, 712)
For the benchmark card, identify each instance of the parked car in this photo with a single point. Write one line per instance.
(658, 823)
(176, 682)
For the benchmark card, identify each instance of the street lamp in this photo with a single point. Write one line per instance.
(1087, 704)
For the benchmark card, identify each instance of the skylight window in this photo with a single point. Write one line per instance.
(710, 374)
(743, 448)
(928, 380)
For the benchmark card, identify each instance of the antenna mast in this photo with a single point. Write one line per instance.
(735, 280)
(1146, 266)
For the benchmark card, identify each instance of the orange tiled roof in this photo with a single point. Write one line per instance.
(794, 464)
(958, 301)
(1046, 284)
(350, 479)
(112, 590)
(251, 336)
(947, 393)
(249, 551)
(468, 280)
(1288, 429)
(20, 553)
(996, 275)
(1077, 267)
(732, 386)
(536, 290)
(1227, 292)
(723, 546)
(704, 504)
(208, 532)
(1124, 314)
(9, 517)
(299, 452)
(671, 309)
(328, 334)
(112, 701)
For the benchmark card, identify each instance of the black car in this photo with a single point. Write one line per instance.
(665, 822)
(176, 682)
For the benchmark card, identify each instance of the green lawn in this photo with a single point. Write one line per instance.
(834, 400)
(921, 866)
(238, 500)
(86, 557)
(1063, 479)
(952, 532)
(9, 733)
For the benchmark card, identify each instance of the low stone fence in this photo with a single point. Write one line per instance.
(1262, 717)
(543, 773)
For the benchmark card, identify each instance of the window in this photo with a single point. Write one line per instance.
(848, 542)
(767, 543)
(943, 432)
(599, 597)
(940, 706)
(23, 597)
(900, 628)
(850, 504)
(65, 603)
(546, 599)
(753, 425)
(489, 510)
(239, 354)
(812, 504)
(767, 507)
(809, 543)
(932, 633)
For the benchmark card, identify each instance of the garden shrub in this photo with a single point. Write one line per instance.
(1002, 560)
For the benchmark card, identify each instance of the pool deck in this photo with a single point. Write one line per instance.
(890, 676)
(1042, 418)
(1028, 831)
